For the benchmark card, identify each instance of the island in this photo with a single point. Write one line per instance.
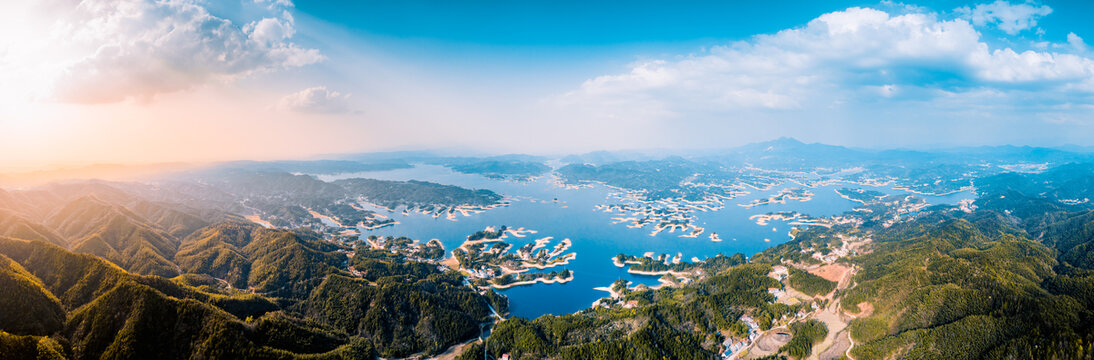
(860, 195)
(782, 197)
(486, 258)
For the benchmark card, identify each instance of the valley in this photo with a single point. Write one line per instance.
(358, 263)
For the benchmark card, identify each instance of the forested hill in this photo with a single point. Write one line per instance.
(944, 286)
(1010, 279)
(995, 280)
(176, 270)
(62, 305)
(99, 270)
(147, 228)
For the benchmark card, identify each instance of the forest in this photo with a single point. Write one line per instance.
(96, 270)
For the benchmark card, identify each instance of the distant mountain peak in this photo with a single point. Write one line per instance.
(779, 144)
(787, 141)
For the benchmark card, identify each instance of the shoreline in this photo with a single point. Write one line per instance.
(612, 293)
(655, 273)
(258, 220)
(533, 282)
(565, 261)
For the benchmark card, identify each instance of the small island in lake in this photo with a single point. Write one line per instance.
(782, 197)
(486, 259)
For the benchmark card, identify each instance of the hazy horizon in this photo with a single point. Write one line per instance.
(105, 82)
(464, 152)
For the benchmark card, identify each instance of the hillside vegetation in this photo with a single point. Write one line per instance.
(82, 307)
(670, 323)
(172, 270)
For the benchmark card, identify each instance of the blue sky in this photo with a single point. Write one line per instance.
(149, 79)
(555, 47)
(583, 23)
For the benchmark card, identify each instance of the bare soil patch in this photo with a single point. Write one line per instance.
(831, 272)
(772, 341)
(865, 309)
(838, 348)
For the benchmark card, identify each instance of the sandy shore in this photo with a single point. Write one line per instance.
(565, 261)
(378, 226)
(531, 282)
(848, 197)
(612, 293)
(522, 232)
(669, 272)
(615, 261)
(258, 220)
(324, 217)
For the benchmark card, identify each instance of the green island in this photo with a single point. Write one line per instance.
(338, 208)
(486, 259)
(498, 168)
(782, 197)
(860, 195)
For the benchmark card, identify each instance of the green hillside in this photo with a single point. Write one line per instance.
(669, 323)
(16, 226)
(422, 308)
(88, 308)
(29, 308)
(218, 251)
(116, 234)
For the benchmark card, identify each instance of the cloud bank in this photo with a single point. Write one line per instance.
(856, 59)
(137, 49)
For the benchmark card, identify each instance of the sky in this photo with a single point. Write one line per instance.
(142, 81)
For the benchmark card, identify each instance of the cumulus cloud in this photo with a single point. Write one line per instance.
(275, 3)
(1011, 18)
(1076, 42)
(855, 55)
(141, 48)
(317, 100)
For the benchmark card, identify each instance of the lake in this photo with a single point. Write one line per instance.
(562, 213)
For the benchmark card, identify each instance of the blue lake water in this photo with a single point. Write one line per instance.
(595, 239)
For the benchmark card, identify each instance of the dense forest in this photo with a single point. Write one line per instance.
(286, 200)
(809, 284)
(1005, 280)
(670, 323)
(504, 169)
(81, 307)
(94, 270)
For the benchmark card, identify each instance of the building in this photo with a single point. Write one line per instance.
(779, 293)
(779, 272)
(733, 347)
(753, 327)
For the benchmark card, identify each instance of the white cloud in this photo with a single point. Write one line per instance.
(141, 48)
(887, 90)
(275, 3)
(855, 55)
(1011, 18)
(1009, 66)
(270, 31)
(317, 99)
(1076, 42)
